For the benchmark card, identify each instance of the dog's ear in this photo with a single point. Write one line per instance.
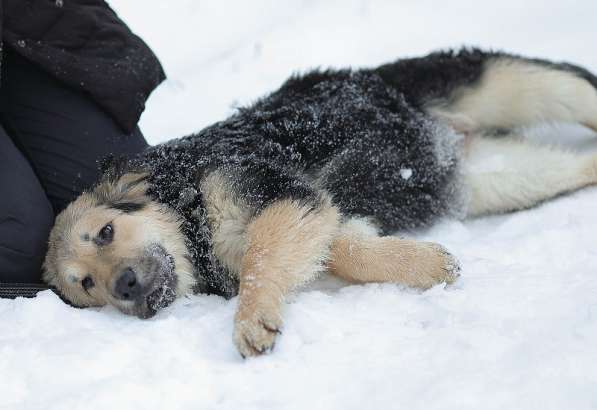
(113, 167)
(132, 184)
(126, 193)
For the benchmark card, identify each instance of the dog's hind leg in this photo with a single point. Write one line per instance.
(513, 92)
(358, 255)
(477, 90)
(507, 174)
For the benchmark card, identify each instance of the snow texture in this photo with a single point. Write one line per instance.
(518, 329)
(406, 173)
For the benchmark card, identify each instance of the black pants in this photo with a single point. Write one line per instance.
(51, 138)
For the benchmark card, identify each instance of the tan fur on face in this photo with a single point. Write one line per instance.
(72, 255)
(287, 245)
(358, 255)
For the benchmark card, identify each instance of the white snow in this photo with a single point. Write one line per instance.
(517, 331)
(406, 173)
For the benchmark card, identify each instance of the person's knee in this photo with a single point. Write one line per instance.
(24, 232)
(27, 232)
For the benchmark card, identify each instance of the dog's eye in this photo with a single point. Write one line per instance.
(87, 283)
(106, 234)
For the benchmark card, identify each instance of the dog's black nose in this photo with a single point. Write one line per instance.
(127, 287)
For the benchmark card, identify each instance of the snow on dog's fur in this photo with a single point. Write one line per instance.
(311, 177)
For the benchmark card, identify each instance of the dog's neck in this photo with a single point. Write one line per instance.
(173, 172)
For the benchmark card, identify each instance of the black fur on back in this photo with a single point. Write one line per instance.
(437, 75)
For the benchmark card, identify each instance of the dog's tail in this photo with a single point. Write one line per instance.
(476, 90)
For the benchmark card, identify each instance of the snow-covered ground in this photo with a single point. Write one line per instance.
(517, 331)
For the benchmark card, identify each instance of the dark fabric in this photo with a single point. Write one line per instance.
(51, 138)
(22, 290)
(85, 45)
(26, 216)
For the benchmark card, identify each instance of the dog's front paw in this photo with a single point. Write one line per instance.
(450, 266)
(440, 266)
(255, 330)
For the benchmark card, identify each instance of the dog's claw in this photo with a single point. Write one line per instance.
(452, 266)
(271, 328)
(446, 268)
(256, 335)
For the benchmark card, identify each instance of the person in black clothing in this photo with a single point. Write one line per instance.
(74, 81)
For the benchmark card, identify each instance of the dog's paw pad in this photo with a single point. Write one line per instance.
(256, 334)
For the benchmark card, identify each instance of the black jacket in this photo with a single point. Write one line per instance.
(85, 45)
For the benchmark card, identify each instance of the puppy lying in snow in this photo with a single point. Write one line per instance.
(314, 177)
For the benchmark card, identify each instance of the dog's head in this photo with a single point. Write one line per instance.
(114, 245)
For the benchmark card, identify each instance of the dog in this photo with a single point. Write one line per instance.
(315, 177)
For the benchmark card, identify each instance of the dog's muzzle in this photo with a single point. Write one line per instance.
(146, 285)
